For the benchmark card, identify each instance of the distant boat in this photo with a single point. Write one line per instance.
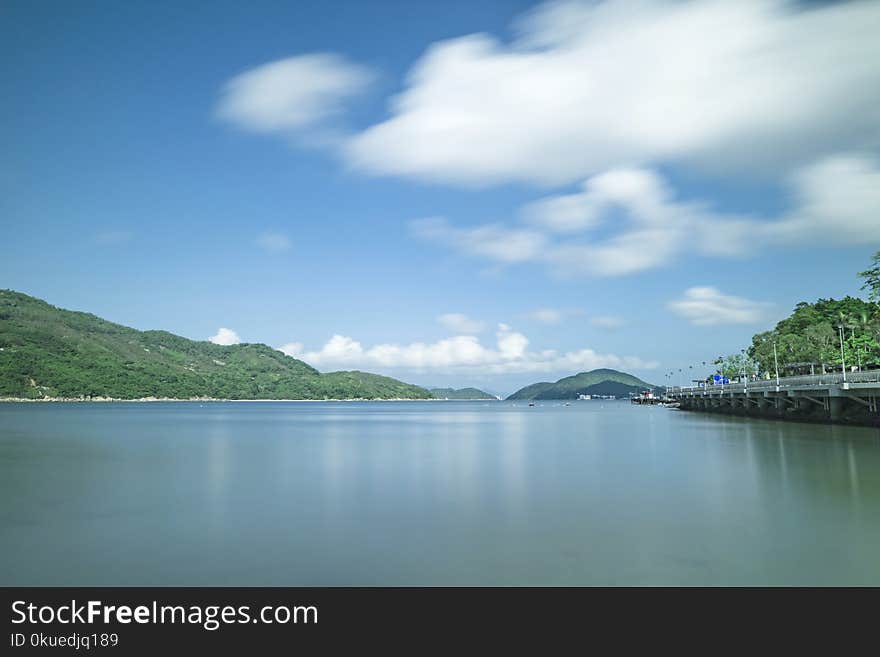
(531, 403)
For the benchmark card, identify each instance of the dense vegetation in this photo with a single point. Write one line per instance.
(595, 382)
(50, 352)
(459, 393)
(812, 334)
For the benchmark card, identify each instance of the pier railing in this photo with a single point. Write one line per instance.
(872, 376)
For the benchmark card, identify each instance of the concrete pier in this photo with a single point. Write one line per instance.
(821, 398)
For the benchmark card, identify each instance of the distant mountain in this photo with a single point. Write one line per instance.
(595, 382)
(50, 352)
(460, 393)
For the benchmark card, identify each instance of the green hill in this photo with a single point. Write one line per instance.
(595, 382)
(459, 393)
(50, 352)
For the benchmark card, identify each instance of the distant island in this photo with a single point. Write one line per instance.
(50, 353)
(460, 393)
(595, 382)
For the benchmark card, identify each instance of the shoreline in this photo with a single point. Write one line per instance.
(147, 400)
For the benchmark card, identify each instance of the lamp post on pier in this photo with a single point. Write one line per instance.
(776, 363)
(842, 352)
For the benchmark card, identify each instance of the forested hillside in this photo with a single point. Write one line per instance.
(50, 352)
(595, 382)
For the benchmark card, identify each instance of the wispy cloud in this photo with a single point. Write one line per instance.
(510, 354)
(609, 322)
(707, 306)
(495, 242)
(547, 315)
(834, 200)
(461, 324)
(837, 201)
(225, 336)
(558, 315)
(587, 89)
(590, 85)
(273, 242)
(287, 96)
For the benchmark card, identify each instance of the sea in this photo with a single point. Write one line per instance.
(431, 494)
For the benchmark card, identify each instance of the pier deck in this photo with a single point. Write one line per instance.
(850, 398)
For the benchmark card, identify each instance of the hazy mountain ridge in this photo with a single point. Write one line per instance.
(595, 382)
(51, 352)
(460, 393)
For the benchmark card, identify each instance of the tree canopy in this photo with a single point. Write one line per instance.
(817, 336)
(812, 334)
(872, 278)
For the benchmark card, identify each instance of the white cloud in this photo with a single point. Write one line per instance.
(655, 228)
(707, 306)
(292, 349)
(607, 92)
(563, 214)
(547, 315)
(461, 324)
(553, 315)
(460, 353)
(627, 253)
(511, 345)
(589, 86)
(494, 241)
(225, 337)
(641, 191)
(834, 200)
(273, 242)
(291, 94)
(556, 316)
(609, 322)
(837, 200)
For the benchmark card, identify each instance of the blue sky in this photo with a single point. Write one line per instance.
(451, 193)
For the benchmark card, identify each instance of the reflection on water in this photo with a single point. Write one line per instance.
(853, 473)
(431, 493)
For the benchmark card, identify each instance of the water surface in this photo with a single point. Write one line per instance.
(431, 493)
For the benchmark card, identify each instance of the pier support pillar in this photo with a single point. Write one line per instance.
(835, 406)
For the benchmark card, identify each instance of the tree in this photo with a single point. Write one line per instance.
(872, 279)
(812, 333)
(735, 365)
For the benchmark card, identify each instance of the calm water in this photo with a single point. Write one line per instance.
(430, 493)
